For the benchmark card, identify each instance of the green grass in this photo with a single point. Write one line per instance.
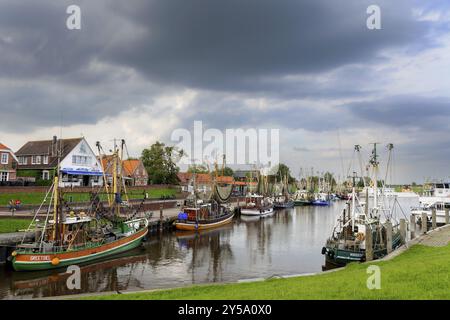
(419, 273)
(13, 225)
(37, 197)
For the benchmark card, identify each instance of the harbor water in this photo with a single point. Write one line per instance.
(286, 243)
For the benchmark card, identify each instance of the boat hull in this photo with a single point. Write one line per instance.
(192, 226)
(256, 212)
(43, 261)
(302, 203)
(285, 205)
(342, 257)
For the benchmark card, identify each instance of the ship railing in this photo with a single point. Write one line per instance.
(55, 249)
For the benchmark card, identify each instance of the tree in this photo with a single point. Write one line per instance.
(198, 168)
(228, 172)
(159, 161)
(281, 171)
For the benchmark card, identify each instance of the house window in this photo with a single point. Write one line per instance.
(4, 176)
(45, 175)
(5, 158)
(45, 159)
(23, 160)
(36, 160)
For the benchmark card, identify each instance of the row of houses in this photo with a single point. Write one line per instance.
(36, 161)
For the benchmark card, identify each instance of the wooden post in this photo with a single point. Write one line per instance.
(369, 243)
(403, 230)
(447, 217)
(433, 219)
(413, 226)
(424, 222)
(161, 216)
(388, 226)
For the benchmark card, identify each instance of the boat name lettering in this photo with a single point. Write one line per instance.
(40, 258)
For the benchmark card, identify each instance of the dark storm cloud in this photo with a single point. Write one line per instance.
(126, 51)
(236, 45)
(410, 112)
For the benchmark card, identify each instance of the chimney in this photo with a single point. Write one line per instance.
(54, 146)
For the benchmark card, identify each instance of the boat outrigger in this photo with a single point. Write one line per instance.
(72, 237)
(211, 212)
(359, 225)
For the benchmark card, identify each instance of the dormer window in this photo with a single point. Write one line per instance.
(45, 159)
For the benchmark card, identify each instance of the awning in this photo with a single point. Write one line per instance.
(82, 173)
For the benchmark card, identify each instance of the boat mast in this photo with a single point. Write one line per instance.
(56, 194)
(374, 162)
(353, 201)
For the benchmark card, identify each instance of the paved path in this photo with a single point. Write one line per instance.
(438, 238)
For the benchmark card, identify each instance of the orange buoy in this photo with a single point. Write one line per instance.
(55, 261)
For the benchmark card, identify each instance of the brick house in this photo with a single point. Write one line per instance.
(38, 161)
(134, 172)
(8, 164)
(203, 181)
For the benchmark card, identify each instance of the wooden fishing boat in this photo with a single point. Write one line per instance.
(359, 226)
(257, 206)
(203, 218)
(76, 237)
(212, 211)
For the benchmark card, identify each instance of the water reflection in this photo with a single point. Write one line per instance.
(288, 242)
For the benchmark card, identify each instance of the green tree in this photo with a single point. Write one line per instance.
(198, 168)
(159, 161)
(228, 172)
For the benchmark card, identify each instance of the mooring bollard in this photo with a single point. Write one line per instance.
(369, 244)
(413, 226)
(433, 219)
(161, 216)
(403, 230)
(424, 222)
(447, 216)
(388, 226)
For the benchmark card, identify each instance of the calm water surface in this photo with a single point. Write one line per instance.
(287, 243)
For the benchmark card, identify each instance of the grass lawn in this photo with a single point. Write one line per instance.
(419, 273)
(37, 197)
(13, 225)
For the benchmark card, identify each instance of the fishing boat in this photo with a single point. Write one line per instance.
(68, 237)
(321, 200)
(212, 211)
(359, 223)
(257, 205)
(283, 200)
(437, 198)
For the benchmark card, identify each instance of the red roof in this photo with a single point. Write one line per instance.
(2, 146)
(185, 177)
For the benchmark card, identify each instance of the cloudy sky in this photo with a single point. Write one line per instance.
(140, 69)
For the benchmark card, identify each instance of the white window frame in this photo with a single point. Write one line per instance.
(6, 155)
(45, 159)
(2, 175)
(45, 175)
(23, 160)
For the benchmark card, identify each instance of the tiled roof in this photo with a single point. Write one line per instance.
(129, 166)
(3, 147)
(185, 177)
(45, 147)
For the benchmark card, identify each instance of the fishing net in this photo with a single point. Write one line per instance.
(223, 192)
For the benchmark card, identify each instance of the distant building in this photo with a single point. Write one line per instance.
(202, 180)
(245, 175)
(38, 161)
(134, 172)
(8, 164)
